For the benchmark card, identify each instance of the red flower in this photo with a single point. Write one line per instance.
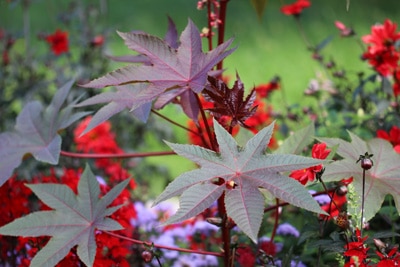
(393, 137)
(246, 257)
(356, 251)
(263, 90)
(382, 54)
(319, 151)
(268, 247)
(296, 8)
(396, 84)
(382, 36)
(390, 259)
(58, 42)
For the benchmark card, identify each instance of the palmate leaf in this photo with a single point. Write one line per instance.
(117, 101)
(72, 221)
(229, 102)
(247, 169)
(173, 72)
(382, 179)
(36, 133)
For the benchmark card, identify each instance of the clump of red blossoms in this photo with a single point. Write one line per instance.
(58, 42)
(382, 53)
(356, 251)
(101, 140)
(296, 8)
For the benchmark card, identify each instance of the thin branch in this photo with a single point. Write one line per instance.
(116, 155)
(173, 122)
(165, 247)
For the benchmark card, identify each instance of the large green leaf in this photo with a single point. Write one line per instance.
(382, 179)
(72, 221)
(244, 170)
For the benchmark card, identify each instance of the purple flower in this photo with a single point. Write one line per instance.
(292, 263)
(196, 260)
(145, 218)
(167, 240)
(287, 229)
(323, 199)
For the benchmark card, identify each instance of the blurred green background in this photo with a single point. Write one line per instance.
(272, 46)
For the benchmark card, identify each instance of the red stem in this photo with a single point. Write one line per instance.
(204, 118)
(121, 155)
(164, 247)
(221, 26)
(209, 34)
(282, 204)
(276, 220)
(174, 122)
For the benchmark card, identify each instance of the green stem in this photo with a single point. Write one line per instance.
(120, 155)
(302, 33)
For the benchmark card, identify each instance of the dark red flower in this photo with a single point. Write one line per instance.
(396, 84)
(246, 257)
(296, 8)
(268, 247)
(393, 137)
(58, 42)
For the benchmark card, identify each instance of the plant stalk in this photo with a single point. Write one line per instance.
(164, 247)
(121, 155)
(362, 204)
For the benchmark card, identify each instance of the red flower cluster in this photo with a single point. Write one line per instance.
(58, 42)
(319, 151)
(382, 52)
(296, 8)
(393, 137)
(246, 257)
(357, 251)
(102, 141)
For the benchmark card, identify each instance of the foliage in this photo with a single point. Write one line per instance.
(241, 200)
(72, 222)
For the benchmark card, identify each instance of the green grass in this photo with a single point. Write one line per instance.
(266, 48)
